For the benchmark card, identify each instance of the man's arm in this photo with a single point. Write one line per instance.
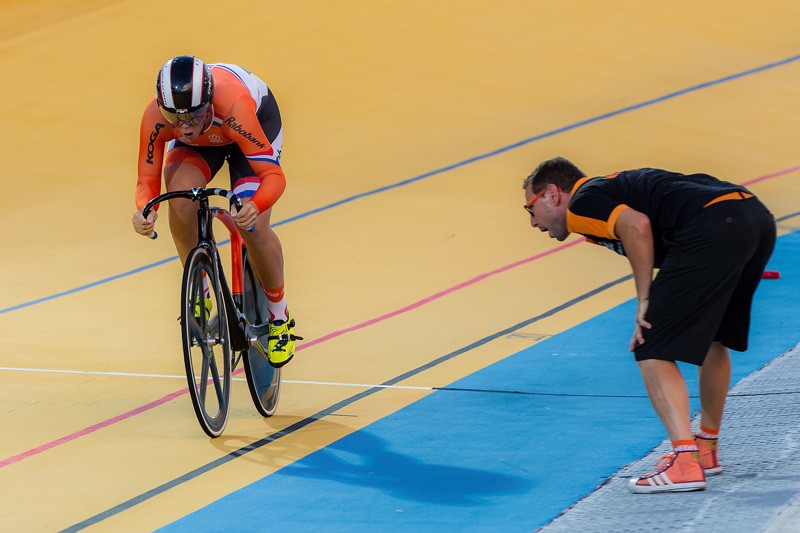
(634, 230)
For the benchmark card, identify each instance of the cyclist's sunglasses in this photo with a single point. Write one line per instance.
(529, 206)
(190, 119)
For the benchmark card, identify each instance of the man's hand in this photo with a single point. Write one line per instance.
(639, 323)
(246, 218)
(144, 226)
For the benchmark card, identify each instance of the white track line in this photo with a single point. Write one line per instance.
(167, 376)
(86, 372)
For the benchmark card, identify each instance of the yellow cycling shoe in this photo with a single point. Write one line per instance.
(208, 306)
(277, 341)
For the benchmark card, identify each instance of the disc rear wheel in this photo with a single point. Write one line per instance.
(263, 380)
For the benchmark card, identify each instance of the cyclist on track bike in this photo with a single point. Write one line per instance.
(202, 115)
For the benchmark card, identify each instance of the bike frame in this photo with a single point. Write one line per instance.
(233, 293)
(205, 234)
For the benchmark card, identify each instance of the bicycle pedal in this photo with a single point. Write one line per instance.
(258, 330)
(210, 341)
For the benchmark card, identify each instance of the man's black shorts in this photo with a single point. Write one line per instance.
(704, 289)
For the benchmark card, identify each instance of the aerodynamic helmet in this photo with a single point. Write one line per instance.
(184, 89)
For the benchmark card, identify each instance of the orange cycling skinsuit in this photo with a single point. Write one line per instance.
(242, 105)
(204, 116)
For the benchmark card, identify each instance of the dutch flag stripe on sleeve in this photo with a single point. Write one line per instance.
(246, 187)
(267, 157)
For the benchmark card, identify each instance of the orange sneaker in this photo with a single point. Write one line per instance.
(708, 455)
(675, 472)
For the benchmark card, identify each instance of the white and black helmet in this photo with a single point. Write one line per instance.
(184, 89)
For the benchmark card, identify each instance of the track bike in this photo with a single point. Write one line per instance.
(213, 346)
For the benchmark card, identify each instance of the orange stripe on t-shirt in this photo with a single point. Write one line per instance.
(595, 226)
(736, 195)
(612, 220)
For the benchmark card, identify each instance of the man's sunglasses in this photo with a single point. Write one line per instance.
(529, 206)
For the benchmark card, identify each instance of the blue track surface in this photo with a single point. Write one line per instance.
(518, 443)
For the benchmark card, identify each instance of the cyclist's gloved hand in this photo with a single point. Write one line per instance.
(246, 218)
(144, 226)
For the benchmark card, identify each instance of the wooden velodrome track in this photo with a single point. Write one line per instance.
(408, 129)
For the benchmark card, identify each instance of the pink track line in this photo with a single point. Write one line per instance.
(770, 176)
(438, 295)
(329, 336)
(92, 429)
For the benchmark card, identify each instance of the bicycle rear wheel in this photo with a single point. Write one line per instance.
(208, 373)
(263, 380)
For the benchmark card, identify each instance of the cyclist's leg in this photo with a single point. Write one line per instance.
(264, 247)
(187, 167)
(265, 254)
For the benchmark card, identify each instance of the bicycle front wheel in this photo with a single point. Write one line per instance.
(206, 341)
(263, 380)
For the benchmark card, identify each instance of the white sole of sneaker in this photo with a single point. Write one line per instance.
(713, 471)
(669, 487)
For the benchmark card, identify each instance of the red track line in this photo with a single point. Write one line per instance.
(325, 338)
